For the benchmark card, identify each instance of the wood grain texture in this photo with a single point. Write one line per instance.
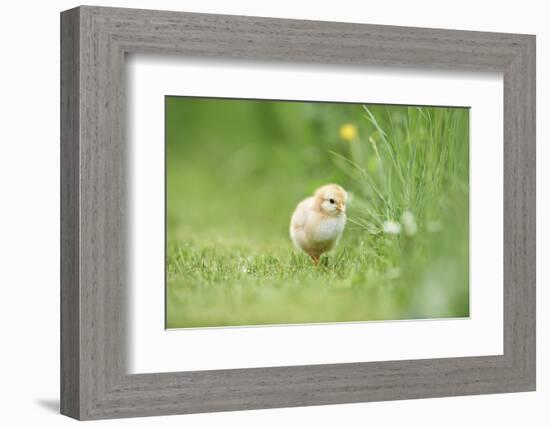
(70, 221)
(94, 270)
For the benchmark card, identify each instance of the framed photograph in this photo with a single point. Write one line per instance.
(261, 213)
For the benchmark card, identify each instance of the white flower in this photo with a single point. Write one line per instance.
(409, 223)
(434, 226)
(393, 273)
(391, 227)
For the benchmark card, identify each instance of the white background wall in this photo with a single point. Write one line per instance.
(29, 212)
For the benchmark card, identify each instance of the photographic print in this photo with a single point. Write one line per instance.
(296, 212)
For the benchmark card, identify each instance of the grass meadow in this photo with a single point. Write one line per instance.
(235, 170)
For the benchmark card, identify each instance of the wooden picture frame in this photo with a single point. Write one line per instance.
(94, 382)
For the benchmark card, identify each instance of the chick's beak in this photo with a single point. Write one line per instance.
(340, 207)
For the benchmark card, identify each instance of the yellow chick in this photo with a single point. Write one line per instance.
(318, 221)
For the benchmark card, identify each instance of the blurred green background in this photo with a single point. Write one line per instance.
(235, 170)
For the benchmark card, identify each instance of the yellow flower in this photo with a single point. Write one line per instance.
(348, 132)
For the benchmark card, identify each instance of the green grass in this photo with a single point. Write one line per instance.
(236, 170)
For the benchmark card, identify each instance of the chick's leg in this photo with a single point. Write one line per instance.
(315, 259)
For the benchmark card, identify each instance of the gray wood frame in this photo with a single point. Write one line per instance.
(94, 382)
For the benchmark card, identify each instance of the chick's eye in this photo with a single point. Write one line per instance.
(331, 201)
